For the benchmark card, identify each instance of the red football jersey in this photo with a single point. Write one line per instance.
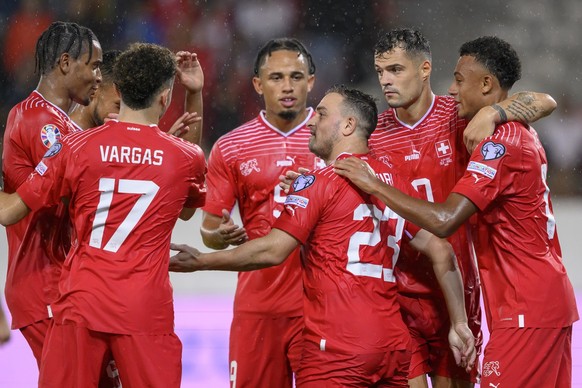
(244, 166)
(432, 156)
(349, 239)
(524, 280)
(35, 244)
(127, 184)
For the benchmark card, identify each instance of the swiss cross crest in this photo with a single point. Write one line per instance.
(249, 166)
(491, 367)
(443, 148)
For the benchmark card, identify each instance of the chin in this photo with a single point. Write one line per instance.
(288, 115)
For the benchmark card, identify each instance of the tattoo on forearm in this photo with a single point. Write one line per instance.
(520, 111)
(502, 114)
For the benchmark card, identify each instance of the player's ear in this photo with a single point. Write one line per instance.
(166, 98)
(258, 85)
(64, 63)
(350, 125)
(425, 69)
(310, 82)
(487, 83)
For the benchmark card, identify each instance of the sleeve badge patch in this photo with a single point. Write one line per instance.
(302, 182)
(55, 149)
(296, 200)
(482, 169)
(491, 150)
(49, 134)
(41, 168)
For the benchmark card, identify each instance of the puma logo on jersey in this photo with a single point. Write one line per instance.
(289, 161)
(415, 155)
(477, 178)
(246, 168)
(494, 385)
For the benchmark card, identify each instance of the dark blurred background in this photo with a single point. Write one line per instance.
(340, 34)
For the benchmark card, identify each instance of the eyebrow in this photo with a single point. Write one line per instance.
(321, 109)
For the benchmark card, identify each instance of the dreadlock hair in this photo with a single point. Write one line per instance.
(109, 58)
(289, 44)
(141, 72)
(60, 38)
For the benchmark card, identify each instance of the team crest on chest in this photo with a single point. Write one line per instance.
(302, 182)
(444, 152)
(246, 168)
(49, 134)
(491, 150)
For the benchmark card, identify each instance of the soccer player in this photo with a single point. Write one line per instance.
(354, 334)
(127, 183)
(244, 167)
(421, 136)
(105, 102)
(68, 57)
(529, 300)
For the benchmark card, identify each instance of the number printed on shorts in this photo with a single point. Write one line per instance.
(145, 189)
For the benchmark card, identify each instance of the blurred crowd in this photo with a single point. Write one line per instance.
(227, 33)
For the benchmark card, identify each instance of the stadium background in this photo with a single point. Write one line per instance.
(340, 34)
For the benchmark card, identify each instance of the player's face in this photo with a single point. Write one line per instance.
(284, 82)
(467, 86)
(85, 75)
(402, 77)
(325, 126)
(105, 101)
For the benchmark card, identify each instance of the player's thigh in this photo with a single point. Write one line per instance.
(72, 357)
(528, 357)
(332, 369)
(35, 335)
(264, 351)
(148, 360)
(447, 382)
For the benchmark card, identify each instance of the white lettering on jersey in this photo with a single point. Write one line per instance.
(289, 161)
(131, 155)
(386, 178)
(415, 155)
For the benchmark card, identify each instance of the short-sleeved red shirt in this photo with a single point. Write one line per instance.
(524, 280)
(127, 185)
(348, 236)
(244, 167)
(38, 243)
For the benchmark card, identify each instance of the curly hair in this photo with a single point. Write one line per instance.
(60, 38)
(497, 56)
(141, 72)
(289, 44)
(410, 40)
(361, 104)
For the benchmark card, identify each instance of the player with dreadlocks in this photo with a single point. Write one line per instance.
(68, 57)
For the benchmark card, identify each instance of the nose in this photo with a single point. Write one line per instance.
(385, 78)
(287, 84)
(98, 75)
(453, 89)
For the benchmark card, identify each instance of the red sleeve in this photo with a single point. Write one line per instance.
(221, 183)
(494, 168)
(47, 185)
(303, 206)
(197, 192)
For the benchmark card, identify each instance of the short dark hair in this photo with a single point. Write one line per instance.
(497, 56)
(109, 58)
(60, 38)
(408, 39)
(289, 44)
(141, 72)
(361, 104)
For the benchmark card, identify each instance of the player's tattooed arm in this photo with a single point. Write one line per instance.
(525, 107)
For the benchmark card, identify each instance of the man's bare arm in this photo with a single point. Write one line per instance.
(259, 253)
(220, 232)
(525, 107)
(441, 219)
(191, 76)
(12, 208)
